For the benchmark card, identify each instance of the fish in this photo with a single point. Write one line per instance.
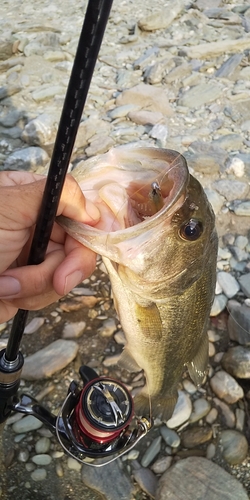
(158, 241)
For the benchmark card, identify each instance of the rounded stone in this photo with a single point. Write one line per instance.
(201, 407)
(42, 445)
(194, 436)
(39, 475)
(42, 459)
(234, 446)
(182, 411)
(236, 361)
(226, 387)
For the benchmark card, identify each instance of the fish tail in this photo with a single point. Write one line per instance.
(160, 406)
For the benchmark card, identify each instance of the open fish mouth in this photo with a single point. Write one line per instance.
(132, 188)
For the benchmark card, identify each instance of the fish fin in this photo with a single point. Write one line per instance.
(198, 366)
(155, 406)
(127, 362)
(149, 321)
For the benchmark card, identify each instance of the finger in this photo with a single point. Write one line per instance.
(74, 205)
(77, 266)
(30, 281)
(7, 311)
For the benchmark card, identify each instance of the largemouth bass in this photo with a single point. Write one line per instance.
(158, 241)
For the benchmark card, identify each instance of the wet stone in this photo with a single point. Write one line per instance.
(236, 361)
(26, 159)
(239, 324)
(201, 407)
(195, 435)
(226, 387)
(198, 478)
(234, 446)
(228, 283)
(182, 411)
(151, 452)
(170, 437)
(96, 479)
(50, 359)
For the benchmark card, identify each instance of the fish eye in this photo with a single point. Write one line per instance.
(191, 230)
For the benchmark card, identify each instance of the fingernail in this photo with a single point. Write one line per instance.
(9, 286)
(72, 280)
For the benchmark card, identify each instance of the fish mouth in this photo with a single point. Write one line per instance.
(134, 189)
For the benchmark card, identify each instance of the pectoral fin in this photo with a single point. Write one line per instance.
(127, 362)
(198, 366)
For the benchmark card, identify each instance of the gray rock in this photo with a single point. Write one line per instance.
(96, 479)
(239, 324)
(230, 141)
(242, 208)
(211, 49)
(200, 94)
(201, 407)
(108, 328)
(73, 330)
(231, 190)
(241, 241)
(160, 132)
(226, 387)
(204, 163)
(26, 159)
(182, 411)
(145, 117)
(73, 464)
(219, 304)
(244, 282)
(121, 111)
(228, 283)
(151, 452)
(170, 437)
(41, 131)
(9, 90)
(26, 424)
(39, 475)
(146, 479)
(196, 435)
(146, 97)
(99, 145)
(198, 478)
(226, 415)
(236, 361)
(42, 459)
(161, 465)
(234, 446)
(229, 66)
(46, 92)
(42, 445)
(161, 19)
(146, 57)
(216, 200)
(49, 360)
(34, 325)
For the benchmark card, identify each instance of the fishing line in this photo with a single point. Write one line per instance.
(94, 25)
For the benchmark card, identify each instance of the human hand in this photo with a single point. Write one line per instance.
(66, 263)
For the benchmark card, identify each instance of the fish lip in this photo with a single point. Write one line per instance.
(177, 172)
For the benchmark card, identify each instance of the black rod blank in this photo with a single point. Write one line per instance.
(93, 29)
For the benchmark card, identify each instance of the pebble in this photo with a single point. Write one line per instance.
(39, 474)
(231, 190)
(41, 459)
(161, 465)
(227, 415)
(73, 464)
(239, 323)
(228, 283)
(182, 411)
(219, 304)
(212, 416)
(151, 452)
(146, 479)
(73, 330)
(26, 424)
(195, 435)
(170, 437)
(146, 96)
(244, 282)
(234, 446)
(42, 445)
(108, 328)
(201, 408)
(236, 361)
(26, 159)
(34, 325)
(226, 387)
(198, 478)
(96, 479)
(50, 359)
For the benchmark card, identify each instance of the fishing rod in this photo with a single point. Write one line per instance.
(94, 421)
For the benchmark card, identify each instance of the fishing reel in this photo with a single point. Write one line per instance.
(96, 423)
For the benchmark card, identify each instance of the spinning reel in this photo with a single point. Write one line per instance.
(95, 421)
